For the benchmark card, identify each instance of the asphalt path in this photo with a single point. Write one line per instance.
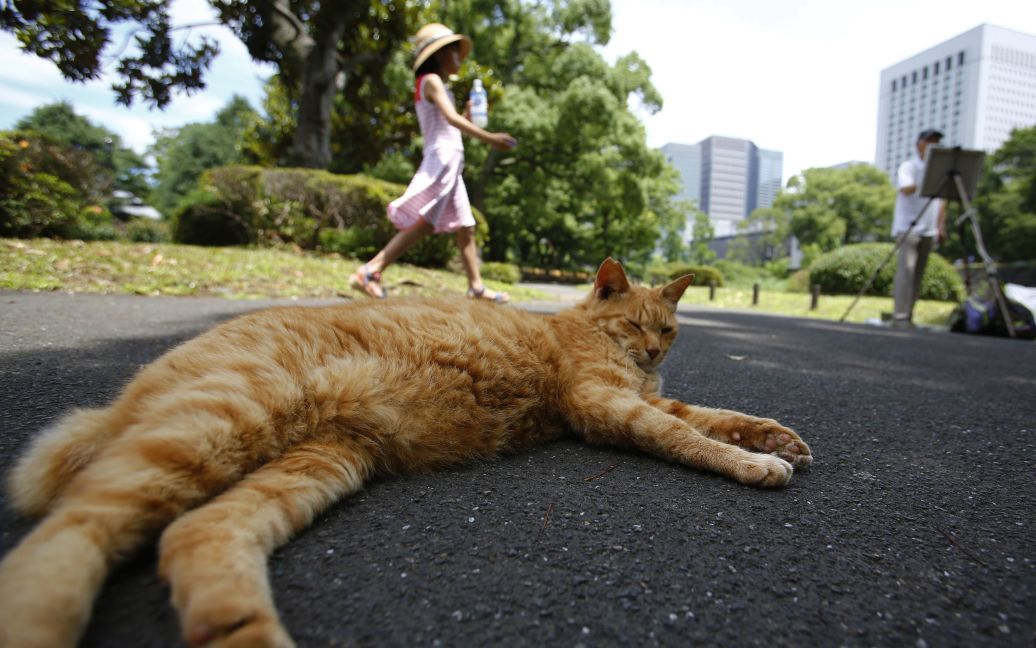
(914, 526)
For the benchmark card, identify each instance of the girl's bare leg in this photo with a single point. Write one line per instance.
(469, 257)
(367, 278)
(399, 244)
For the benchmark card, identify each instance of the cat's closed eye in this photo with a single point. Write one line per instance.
(635, 325)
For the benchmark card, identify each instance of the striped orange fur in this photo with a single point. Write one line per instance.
(232, 442)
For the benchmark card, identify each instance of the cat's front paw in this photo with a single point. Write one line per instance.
(767, 435)
(763, 470)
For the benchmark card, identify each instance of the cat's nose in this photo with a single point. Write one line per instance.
(652, 353)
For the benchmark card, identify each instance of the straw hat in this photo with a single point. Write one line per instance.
(433, 37)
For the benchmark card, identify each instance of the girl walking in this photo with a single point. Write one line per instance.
(436, 200)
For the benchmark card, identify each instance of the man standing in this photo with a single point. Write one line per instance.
(929, 224)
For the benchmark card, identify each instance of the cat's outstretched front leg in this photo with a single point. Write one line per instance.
(215, 556)
(750, 432)
(605, 414)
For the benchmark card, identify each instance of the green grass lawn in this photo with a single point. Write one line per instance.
(237, 273)
(240, 273)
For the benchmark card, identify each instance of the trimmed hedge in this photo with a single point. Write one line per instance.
(505, 272)
(313, 209)
(557, 276)
(847, 269)
(702, 274)
(144, 230)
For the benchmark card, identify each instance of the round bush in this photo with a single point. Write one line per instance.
(702, 274)
(846, 270)
(205, 219)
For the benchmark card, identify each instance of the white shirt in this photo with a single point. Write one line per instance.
(911, 172)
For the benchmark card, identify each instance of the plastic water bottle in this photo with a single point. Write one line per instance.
(479, 104)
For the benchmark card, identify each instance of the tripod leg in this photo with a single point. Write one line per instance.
(1001, 301)
(971, 215)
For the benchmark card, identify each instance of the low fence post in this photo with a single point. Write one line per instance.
(712, 290)
(755, 294)
(814, 301)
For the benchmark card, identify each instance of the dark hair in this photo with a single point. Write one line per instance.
(431, 64)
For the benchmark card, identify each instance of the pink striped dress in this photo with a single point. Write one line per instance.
(437, 193)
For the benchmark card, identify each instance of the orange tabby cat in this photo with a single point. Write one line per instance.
(235, 440)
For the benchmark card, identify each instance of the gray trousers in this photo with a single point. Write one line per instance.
(910, 264)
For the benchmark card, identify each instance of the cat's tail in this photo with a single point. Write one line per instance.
(55, 456)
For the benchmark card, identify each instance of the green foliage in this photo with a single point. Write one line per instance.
(702, 234)
(505, 272)
(799, 282)
(268, 140)
(312, 209)
(183, 154)
(74, 33)
(105, 164)
(145, 230)
(831, 207)
(739, 275)
(351, 42)
(703, 275)
(847, 269)
(45, 190)
(1007, 199)
(393, 167)
(204, 217)
(582, 183)
(356, 46)
(736, 273)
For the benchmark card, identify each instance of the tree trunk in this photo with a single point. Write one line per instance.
(311, 146)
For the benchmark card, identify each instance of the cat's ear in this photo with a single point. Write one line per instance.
(672, 292)
(611, 279)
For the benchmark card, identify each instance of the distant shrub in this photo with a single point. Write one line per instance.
(313, 209)
(798, 282)
(736, 273)
(98, 232)
(146, 230)
(847, 269)
(702, 274)
(204, 218)
(505, 272)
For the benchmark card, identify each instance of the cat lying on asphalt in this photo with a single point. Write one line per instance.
(234, 441)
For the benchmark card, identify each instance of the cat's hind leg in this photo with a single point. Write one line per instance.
(134, 486)
(214, 557)
(749, 432)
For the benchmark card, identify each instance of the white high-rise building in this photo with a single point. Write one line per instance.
(974, 88)
(727, 178)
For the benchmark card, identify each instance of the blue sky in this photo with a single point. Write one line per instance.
(798, 76)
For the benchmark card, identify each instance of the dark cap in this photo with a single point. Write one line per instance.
(929, 135)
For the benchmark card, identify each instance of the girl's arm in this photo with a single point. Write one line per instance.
(435, 91)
